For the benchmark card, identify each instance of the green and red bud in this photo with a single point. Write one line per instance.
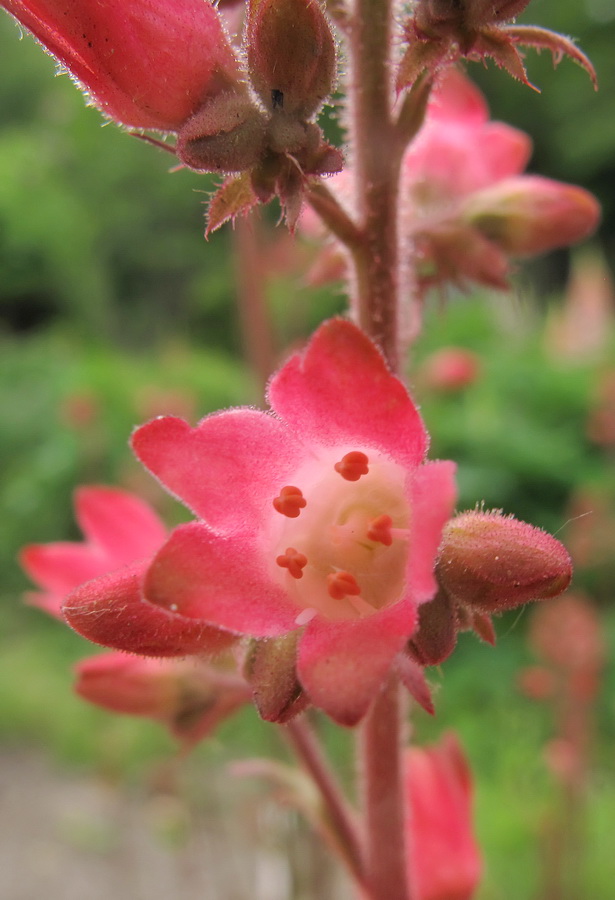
(526, 215)
(491, 562)
(291, 55)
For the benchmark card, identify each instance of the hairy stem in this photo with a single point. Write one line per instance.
(381, 770)
(376, 161)
(340, 818)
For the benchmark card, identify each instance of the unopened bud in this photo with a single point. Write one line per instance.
(527, 215)
(493, 562)
(226, 135)
(270, 668)
(291, 55)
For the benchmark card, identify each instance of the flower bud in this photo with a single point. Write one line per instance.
(189, 698)
(493, 562)
(449, 370)
(144, 64)
(443, 854)
(270, 668)
(291, 55)
(527, 215)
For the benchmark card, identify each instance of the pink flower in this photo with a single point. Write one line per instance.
(145, 64)
(119, 529)
(469, 208)
(444, 858)
(459, 150)
(319, 519)
(186, 695)
(122, 535)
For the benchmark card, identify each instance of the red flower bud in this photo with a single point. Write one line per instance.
(147, 65)
(526, 215)
(493, 562)
(190, 698)
(449, 370)
(291, 55)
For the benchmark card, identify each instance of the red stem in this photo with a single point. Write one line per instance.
(341, 819)
(381, 746)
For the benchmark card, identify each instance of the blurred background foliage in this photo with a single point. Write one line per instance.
(113, 309)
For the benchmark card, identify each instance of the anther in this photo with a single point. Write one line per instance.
(352, 465)
(290, 501)
(342, 584)
(380, 530)
(294, 561)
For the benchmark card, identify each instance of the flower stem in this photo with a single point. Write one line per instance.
(340, 817)
(381, 769)
(255, 319)
(376, 159)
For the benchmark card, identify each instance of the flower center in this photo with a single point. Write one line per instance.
(339, 535)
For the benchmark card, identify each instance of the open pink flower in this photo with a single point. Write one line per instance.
(145, 64)
(468, 207)
(319, 518)
(444, 858)
(122, 535)
(119, 528)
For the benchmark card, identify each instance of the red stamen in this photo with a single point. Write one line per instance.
(290, 502)
(342, 584)
(380, 530)
(352, 465)
(294, 561)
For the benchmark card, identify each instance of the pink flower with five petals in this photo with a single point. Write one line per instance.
(320, 518)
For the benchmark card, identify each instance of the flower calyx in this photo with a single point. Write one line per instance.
(440, 32)
(267, 140)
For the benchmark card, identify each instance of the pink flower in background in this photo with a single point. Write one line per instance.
(444, 858)
(459, 150)
(319, 519)
(145, 64)
(187, 696)
(119, 528)
(469, 208)
(122, 534)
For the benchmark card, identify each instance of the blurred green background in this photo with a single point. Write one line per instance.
(113, 309)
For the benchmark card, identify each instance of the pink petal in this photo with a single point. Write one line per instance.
(228, 469)
(111, 611)
(125, 526)
(148, 65)
(62, 566)
(219, 580)
(342, 665)
(433, 493)
(341, 391)
(457, 98)
(504, 151)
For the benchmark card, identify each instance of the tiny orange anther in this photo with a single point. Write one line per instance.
(290, 501)
(342, 584)
(352, 465)
(294, 561)
(380, 530)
